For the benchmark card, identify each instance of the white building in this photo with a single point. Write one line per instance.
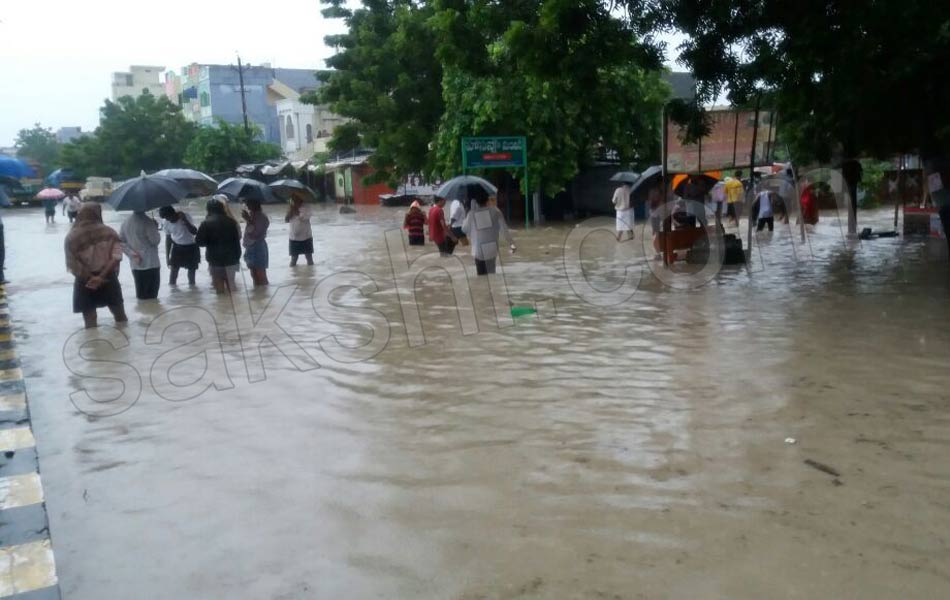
(137, 79)
(305, 129)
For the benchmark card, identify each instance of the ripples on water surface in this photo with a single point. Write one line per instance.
(622, 452)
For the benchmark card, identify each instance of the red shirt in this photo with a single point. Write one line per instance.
(437, 224)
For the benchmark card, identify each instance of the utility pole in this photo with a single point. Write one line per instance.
(240, 70)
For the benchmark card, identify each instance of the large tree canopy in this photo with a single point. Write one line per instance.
(386, 79)
(848, 78)
(134, 134)
(39, 144)
(224, 146)
(571, 76)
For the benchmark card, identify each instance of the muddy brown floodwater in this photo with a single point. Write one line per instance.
(635, 449)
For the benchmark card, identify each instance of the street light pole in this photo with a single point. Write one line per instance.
(240, 70)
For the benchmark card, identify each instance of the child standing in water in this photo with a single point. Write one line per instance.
(256, 255)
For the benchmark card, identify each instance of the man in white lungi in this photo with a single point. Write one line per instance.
(621, 202)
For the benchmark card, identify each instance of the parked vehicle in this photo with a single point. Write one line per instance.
(97, 189)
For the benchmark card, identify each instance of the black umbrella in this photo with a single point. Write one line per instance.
(195, 182)
(146, 192)
(464, 187)
(647, 180)
(625, 177)
(239, 188)
(288, 188)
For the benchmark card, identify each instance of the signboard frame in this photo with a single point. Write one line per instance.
(495, 157)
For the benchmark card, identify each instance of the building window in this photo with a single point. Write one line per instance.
(205, 99)
(290, 128)
(309, 133)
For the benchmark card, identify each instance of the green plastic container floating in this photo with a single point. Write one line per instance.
(521, 311)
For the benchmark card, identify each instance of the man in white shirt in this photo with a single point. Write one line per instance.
(180, 248)
(456, 218)
(301, 233)
(621, 202)
(71, 204)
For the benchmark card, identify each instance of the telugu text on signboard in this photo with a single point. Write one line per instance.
(494, 152)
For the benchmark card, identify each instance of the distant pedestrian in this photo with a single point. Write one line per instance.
(809, 203)
(49, 209)
(140, 237)
(93, 253)
(71, 204)
(181, 251)
(766, 216)
(456, 218)
(483, 225)
(735, 193)
(220, 235)
(301, 232)
(439, 231)
(256, 255)
(414, 223)
(621, 202)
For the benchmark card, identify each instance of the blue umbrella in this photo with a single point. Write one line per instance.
(146, 192)
(16, 168)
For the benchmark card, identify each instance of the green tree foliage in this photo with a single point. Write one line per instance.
(225, 146)
(863, 77)
(38, 144)
(574, 77)
(386, 79)
(570, 76)
(134, 134)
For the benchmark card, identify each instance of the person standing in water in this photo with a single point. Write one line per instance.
(180, 248)
(621, 202)
(439, 231)
(483, 224)
(49, 209)
(456, 218)
(140, 238)
(301, 233)
(414, 223)
(220, 235)
(256, 255)
(93, 253)
(71, 204)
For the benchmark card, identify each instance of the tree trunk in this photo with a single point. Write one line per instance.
(851, 171)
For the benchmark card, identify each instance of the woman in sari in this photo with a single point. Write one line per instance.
(93, 254)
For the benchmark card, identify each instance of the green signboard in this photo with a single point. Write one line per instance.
(494, 152)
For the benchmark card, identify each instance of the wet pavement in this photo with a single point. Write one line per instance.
(622, 444)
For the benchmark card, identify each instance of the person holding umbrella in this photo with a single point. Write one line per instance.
(140, 238)
(482, 225)
(256, 255)
(301, 233)
(93, 253)
(180, 248)
(621, 202)
(220, 235)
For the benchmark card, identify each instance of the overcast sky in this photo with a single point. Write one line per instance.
(57, 56)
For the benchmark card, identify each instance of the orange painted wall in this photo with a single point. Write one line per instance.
(367, 194)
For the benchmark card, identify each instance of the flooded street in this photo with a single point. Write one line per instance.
(615, 445)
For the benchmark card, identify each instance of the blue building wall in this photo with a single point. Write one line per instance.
(224, 89)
